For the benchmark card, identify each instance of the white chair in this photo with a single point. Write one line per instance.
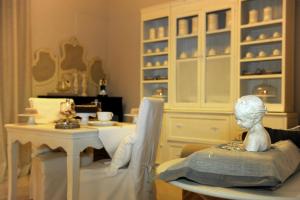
(118, 179)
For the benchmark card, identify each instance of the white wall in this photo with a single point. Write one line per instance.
(54, 21)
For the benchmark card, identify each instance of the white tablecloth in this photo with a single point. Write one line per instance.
(113, 135)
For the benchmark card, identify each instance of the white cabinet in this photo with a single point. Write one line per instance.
(210, 53)
(266, 52)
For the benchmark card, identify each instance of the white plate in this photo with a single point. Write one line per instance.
(102, 123)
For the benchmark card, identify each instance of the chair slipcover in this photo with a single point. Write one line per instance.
(134, 182)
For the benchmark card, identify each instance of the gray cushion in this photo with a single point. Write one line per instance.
(220, 167)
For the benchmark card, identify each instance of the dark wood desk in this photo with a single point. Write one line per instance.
(111, 104)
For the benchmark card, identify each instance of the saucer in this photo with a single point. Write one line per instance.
(102, 123)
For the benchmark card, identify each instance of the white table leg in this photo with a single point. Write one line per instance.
(73, 167)
(13, 149)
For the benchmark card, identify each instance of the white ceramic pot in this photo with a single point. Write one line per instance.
(152, 33)
(253, 16)
(212, 22)
(161, 32)
(182, 27)
(267, 13)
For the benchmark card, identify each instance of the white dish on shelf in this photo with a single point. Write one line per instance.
(276, 35)
(102, 123)
(159, 96)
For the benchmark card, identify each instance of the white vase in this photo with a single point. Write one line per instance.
(267, 13)
(212, 22)
(161, 32)
(182, 27)
(253, 16)
(152, 33)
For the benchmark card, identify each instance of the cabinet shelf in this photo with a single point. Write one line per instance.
(263, 23)
(270, 40)
(266, 76)
(218, 31)
(158, 67)
(186, 36)
(157, 40)
(186, 59)
(156, 54)
(154, 81)
(261, 59)
(218, 56)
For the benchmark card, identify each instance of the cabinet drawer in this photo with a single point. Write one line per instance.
(211, 129)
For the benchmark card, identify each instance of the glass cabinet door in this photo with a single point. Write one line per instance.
(261, 46)
(155, 57)
(217, 59)
(186, 69)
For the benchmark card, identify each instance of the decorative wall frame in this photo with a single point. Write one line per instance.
(95, 71)
(44, 71)
(72, 55)
(71, 74)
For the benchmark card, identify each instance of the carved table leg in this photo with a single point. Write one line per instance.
(13, 149)
(73, 167)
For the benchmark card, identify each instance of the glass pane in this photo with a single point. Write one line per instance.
(218, 57)
(156, 29)
(268, 89)
(186, 81)
(217, 80)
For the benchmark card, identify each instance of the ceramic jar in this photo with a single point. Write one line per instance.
(253, 16)
(212, 22)
(228, 19)
(152, 33)
(267, 13)
(161, 32)
(182, 27)
(194, 25)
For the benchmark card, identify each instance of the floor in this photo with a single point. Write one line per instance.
(164, 191)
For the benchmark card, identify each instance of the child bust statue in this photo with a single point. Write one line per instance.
(249, 111)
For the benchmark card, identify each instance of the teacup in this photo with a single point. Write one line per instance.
(227, 50)
(212, 52)
(248, 38)
(149, 64)
(276, 34)
(249, 55)
(183, 55)
(104, 116)
(262, 54)
(157, 63)
(262, 36)
(276, 52)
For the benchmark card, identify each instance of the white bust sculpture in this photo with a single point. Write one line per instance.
(249, 111)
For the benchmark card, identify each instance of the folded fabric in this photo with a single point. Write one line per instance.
(112, 137)
(48, 109)
(220, 167)
(122, 155)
